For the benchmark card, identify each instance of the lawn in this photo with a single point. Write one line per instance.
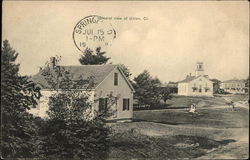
(212, 112)
(219, 118)
(215, 132)
(178, 101)
(132, 144)
(183, 101)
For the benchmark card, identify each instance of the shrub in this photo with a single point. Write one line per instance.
(72, 129)
(76, 139)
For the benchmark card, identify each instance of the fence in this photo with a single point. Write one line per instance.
(154, 107)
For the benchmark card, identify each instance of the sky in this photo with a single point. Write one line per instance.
(169, 43)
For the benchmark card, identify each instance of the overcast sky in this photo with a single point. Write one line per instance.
(175, 36)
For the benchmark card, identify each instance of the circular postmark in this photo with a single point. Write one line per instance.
(93, 31)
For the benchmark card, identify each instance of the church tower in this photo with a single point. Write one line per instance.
(199, 69)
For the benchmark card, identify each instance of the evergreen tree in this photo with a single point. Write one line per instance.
(125, 70)
(18, 95)
(166, 93)
(90, 58)
(147, 88)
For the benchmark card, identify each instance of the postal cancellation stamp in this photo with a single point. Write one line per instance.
(93, 31)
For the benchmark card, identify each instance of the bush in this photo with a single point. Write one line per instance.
(132, 144)
(76, 139)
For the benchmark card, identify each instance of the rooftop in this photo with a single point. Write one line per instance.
(234, 81)
(97, 72)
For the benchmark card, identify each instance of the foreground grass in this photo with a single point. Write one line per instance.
(132, 144)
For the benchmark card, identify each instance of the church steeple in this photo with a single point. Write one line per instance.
(199, 69)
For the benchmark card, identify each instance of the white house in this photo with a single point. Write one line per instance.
(108, 79)
(198, 85)
(234, 86)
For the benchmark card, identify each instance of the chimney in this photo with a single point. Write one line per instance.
(52, 62)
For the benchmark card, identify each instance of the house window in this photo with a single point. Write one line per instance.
(116, 79)
(103, 105)
(125, 104)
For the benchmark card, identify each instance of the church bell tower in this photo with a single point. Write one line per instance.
(199, 69)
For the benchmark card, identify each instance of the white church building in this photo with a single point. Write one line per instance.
(197, 85)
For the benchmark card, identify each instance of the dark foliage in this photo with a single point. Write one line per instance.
(76, 139)
(147, 89)
(216, 86)
(125, 70)
(247, 82)
(72, 129)
(166, 93)
(90, 58)
(18, 94)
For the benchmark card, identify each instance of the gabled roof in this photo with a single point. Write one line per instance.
(188, 79)
(97, 72)
(191, 78)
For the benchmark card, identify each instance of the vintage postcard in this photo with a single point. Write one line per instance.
(125, 80)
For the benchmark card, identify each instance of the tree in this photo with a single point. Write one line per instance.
(166, 93)
(147, 88)
(72, 130)
(247, 85)
(247, 82)
(127, 73)
(18, 94)
(89, 58)
(125, 70)
(216, 86)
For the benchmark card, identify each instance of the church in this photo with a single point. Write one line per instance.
(197, 85)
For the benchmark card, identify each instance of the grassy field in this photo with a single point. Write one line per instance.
(183, 101)
(132, 144)
(222, 118)
(215, 132)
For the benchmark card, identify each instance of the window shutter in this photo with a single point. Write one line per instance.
(116, 79)
(124, 105)
(101, 104)
(106, 105)
(128, 103)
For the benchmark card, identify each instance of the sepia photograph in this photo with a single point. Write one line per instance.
(124, 80)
